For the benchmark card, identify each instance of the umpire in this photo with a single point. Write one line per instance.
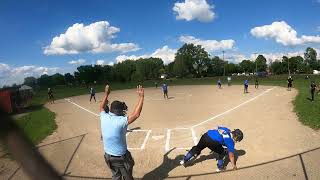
(114, 128)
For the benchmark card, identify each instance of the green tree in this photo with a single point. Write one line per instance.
(296, 64)
(107, 74)
(180, 67)
(215, 67)
(247, 66)
(191, 59)
(45, 80)
(123, 71)
(149, 68)
(58, 79)
(277, 67)
(69, 79)
(261, 63)
(30, 81)
(169, 69)
(86, 74)
(232, 68)
(310, 57)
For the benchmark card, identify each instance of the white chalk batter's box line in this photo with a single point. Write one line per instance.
(193, 134)
(142, 147)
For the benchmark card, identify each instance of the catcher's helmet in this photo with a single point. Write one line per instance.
(237, 135)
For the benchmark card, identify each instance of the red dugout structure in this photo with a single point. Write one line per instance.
(5, 101)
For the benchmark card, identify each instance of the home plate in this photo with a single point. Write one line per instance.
(157, 137)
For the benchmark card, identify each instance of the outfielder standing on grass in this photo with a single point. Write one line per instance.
(114, 128)
(214, 140)
(165, 90)
(289, 80)
(313, 87)
(50, 95)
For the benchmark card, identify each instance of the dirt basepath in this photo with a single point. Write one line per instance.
(272, 147)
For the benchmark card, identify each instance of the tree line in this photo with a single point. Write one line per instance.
(191, 61)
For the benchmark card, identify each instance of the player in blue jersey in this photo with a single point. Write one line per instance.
(215, 140)
(165, 90)
(246, 85)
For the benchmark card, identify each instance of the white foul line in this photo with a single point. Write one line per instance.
(228, 111)
(81, 107)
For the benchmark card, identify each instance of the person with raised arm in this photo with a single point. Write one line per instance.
(114, 124)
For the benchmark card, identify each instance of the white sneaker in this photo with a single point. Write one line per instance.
(182, 162)
(219, 170)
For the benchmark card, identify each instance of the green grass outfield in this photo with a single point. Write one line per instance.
(40, 123)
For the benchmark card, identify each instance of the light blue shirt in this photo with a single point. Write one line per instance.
(246, 82)
(114, 129)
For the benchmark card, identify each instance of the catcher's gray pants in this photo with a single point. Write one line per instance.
(121, 166)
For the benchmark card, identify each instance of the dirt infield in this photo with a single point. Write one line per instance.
(275, 146)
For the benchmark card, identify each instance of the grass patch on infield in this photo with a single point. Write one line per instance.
(37, 124)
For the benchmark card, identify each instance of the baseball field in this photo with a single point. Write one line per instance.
(276, 144)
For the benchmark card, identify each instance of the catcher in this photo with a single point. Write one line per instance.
(215, 140)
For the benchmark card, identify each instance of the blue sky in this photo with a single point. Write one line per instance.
(114, 30)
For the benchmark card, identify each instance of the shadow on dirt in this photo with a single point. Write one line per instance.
(213, 155)
(162, 171)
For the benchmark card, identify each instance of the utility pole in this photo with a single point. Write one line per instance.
(255, 55)
(224, 64)
(288, 64)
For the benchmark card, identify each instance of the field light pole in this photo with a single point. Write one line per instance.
(288, 64)
(224, 64)
(255, 55)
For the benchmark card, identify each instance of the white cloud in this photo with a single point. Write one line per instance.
(209, 45)
(100, 62)
(165, 53)
(235, 58)
(131, 57)
(94, 38)
(77, 62)
(194, 9)
(111, 63)
(10, 75)
(283, 34)
(278, 55)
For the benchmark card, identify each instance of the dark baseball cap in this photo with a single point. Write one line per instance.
(118, 108)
